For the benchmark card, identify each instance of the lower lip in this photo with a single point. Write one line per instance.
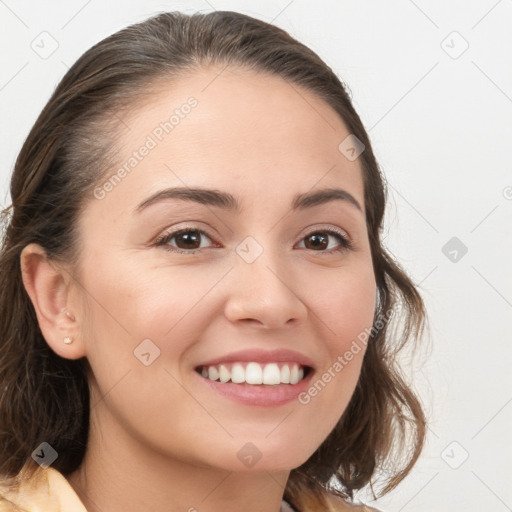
(262, 395)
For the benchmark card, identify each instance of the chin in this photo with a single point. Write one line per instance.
(260, 455)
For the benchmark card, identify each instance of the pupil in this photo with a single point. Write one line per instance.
(319, 240)
(188, 238)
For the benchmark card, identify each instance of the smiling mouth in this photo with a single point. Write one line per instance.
(255, 374)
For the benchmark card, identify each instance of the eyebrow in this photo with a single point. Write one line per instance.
(228, 202)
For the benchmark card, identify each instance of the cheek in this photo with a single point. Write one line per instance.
(347, 308)
(129, 306)
(346, 312)
(136, 333)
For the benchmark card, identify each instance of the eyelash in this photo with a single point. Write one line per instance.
(162, 241)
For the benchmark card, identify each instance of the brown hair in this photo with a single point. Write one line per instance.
(45, 397)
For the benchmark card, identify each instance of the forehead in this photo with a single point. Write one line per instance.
(234, 129)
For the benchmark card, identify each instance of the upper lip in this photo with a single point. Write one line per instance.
(261, 356)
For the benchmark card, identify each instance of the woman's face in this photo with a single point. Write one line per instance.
(266, 283)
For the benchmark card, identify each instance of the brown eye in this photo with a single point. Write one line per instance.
(319, 241)
(186, 240)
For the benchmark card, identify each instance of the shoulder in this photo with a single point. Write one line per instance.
(338, 504)
(46, 491)
(17, 494)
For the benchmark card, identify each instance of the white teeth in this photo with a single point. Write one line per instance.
(271, 374)
(213, 373)
(255, 373)
(224, 374)
(294, 374)
(285, 374)
(237, 374)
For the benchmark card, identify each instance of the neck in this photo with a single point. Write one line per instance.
(120, 473)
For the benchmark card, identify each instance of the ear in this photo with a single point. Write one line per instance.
(47, 286)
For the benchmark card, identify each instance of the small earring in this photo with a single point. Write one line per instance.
(68, 340)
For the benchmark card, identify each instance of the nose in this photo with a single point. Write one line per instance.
(265, 293)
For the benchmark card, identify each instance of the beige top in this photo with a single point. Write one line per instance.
(49, 491)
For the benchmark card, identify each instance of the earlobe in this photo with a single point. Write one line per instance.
(48, 286)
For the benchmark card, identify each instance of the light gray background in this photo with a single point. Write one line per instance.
(440, 119)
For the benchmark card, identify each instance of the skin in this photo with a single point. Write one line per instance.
(160, 439)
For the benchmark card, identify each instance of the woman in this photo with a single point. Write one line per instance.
(196, 306)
